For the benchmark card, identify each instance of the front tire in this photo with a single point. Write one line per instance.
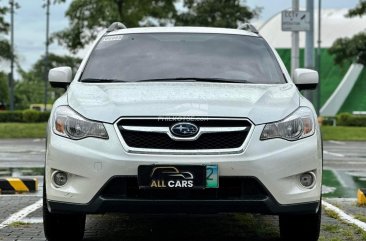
(59, 227)
(304, 227)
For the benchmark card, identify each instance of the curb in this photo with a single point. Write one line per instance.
(14, 185)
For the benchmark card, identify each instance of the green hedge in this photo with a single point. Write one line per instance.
(347, 119)
(26, 116)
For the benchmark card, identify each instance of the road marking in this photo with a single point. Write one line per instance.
(344, 179)
(338, 142)
(18, 216)
(344, 216)
(37, 140)
(32, 220)
(326, 189)
(22, 195)
(347, 164)
(333, 154)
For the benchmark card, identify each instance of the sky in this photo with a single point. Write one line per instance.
(30, 24)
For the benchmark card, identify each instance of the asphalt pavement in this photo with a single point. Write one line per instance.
(116, 227)
(22, 153)
(345, 155)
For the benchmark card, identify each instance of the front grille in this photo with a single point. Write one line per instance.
(230, 188)
(205, 141)
(150, 139)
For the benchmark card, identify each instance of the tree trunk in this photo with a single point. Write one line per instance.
(120, 9)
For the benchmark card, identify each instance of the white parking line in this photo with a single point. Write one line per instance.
(333, 154)
(18, 216)
(32, 220)
(339, 178)
(22, 195)
(37, 140)
(338, 142)
(344, 216)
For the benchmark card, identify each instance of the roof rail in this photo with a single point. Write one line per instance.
(248, 27)
(116, 26)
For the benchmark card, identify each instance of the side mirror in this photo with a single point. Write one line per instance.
(60, 77)
(306, 79)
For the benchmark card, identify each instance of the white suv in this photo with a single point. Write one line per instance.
(182, 120)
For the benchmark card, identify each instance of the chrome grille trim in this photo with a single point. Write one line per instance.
(166, 130)
(156, 129)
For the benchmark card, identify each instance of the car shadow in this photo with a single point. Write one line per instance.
(234, 227)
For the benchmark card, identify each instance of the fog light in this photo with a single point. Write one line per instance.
(59, 178)
(307, 179)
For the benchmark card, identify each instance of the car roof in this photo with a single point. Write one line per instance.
(183, 30)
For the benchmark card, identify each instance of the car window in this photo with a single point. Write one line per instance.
(144, 56)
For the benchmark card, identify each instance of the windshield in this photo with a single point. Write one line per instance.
(182, 56)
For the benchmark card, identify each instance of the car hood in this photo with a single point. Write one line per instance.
(109, 101)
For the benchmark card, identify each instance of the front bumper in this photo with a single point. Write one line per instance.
(103, 205)
(235, 194)
(92, 162)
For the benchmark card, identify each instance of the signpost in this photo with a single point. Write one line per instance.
(295, 21)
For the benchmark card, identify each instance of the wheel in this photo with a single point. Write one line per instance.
(62, 226)
(300, 227)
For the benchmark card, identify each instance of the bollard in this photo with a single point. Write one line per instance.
(361, 198)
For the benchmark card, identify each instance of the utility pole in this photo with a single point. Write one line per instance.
(319, 52)
(309, 45)
(11, 75)
(46, 54)
(295, 42)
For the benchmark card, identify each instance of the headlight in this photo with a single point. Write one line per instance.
(68, 123)
(298, 125)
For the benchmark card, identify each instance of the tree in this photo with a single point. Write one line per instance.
(54, 61)
(215, 13)
(88, 17)
(5, 55)
(351, 48)
(5, 51)
(29, 90)
(3, 90)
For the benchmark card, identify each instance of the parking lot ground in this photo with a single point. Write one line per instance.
(244, 227)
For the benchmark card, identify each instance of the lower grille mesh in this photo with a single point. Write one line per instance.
(230, 188)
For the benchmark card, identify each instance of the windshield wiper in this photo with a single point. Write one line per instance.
(95, 80)
(193, 79)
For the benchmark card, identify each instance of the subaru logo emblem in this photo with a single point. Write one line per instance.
(184, 129)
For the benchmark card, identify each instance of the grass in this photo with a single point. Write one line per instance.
(332, 228)
(360, 217)
(350, 232)
(331, 214)
(18, 224)
(22, 130)
(344, 133)
(360, 231)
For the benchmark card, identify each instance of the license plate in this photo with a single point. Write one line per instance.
(178, 176)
